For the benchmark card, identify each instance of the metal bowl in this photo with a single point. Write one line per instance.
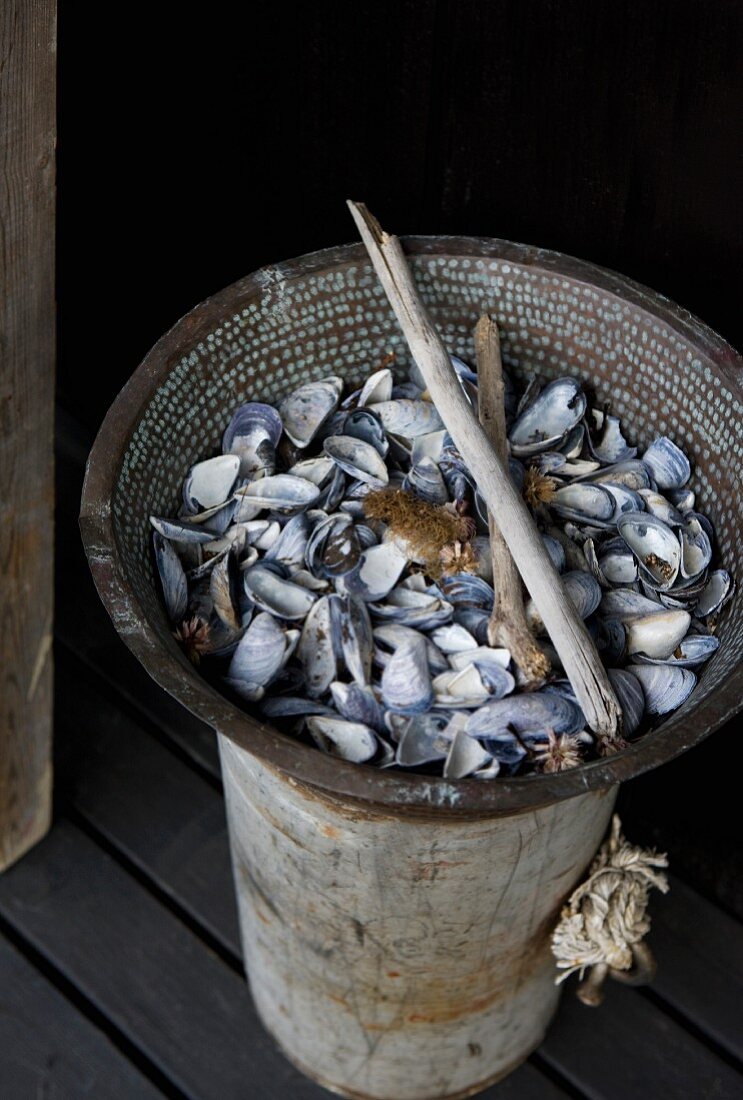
(325, 313)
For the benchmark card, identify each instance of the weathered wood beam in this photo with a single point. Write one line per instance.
(27, 138)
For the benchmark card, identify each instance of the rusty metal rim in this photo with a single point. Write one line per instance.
(172, 671)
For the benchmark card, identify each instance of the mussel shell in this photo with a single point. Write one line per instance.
(631, 698)
(426, 481)
(289, 548)
(261, 652)
(548, 419)
(318, 470)
(612, 447)
(181, 530)
(421, 740)
(625, 603)
(357, 643)
(618, 563)
(717, 591)
(406, 680)
(631, 473)
(668, 465)
(468, 590)
(225, 591)
(665, 687)
(376, 573)
(421, 610)
(654, 545)
(625, 500)
(612, 640)
(460, 688)
(172, 578)
(348, 740)
(583, 591)
(281, 492)
(388, 636)
(340, 526)
(365, 425)
(556, 552)
(492, 667)
(318, 650)
(465, 756)
(584, 502)
(683, 499)
(377, 387)
(408, 418)
(537, 710)
(657, 635)
(252, 434)
(293, 706)
(358, 459)
(209, 483)
(430, 445)
(274, 593)
(657, 505)
(357, 704)
(694, 650)
(305, 410)
(453, 638)
(696, 549)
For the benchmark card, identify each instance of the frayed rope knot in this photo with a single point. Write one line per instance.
(605, 919)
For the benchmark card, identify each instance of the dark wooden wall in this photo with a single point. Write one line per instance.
(606, 130)
(602, 129)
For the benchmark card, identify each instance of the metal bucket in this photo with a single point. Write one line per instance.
(395, 927)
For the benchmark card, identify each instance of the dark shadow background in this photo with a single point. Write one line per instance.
(193, 150)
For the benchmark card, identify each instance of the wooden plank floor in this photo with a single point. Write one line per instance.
(120, 969)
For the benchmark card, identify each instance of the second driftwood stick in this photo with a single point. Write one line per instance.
(569, 636)
(507, 626)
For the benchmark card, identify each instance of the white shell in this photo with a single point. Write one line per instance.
(358, 459)
(654, 545)
(466, 755)
(407, 417)
(657, 635)
(209, 483)
(349, 740)
(277, 595)
(305, 410)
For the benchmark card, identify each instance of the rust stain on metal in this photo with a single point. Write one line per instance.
(433, 869)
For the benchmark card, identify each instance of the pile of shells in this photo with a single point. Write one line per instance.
(283, 583)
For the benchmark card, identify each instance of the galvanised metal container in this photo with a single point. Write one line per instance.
(396, 927)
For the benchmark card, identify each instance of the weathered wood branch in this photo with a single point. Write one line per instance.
(569, 636)
(507, 626)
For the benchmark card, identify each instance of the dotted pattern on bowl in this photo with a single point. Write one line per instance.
(338, 322)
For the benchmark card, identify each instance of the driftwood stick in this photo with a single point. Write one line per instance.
(569, 636)
(507, 626)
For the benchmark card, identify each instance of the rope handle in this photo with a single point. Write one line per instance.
(604, 921)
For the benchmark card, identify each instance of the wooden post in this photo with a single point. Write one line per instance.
(27, 137)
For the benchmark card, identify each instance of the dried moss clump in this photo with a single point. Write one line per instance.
(436, 535)
(193, 635)
(538, 488)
